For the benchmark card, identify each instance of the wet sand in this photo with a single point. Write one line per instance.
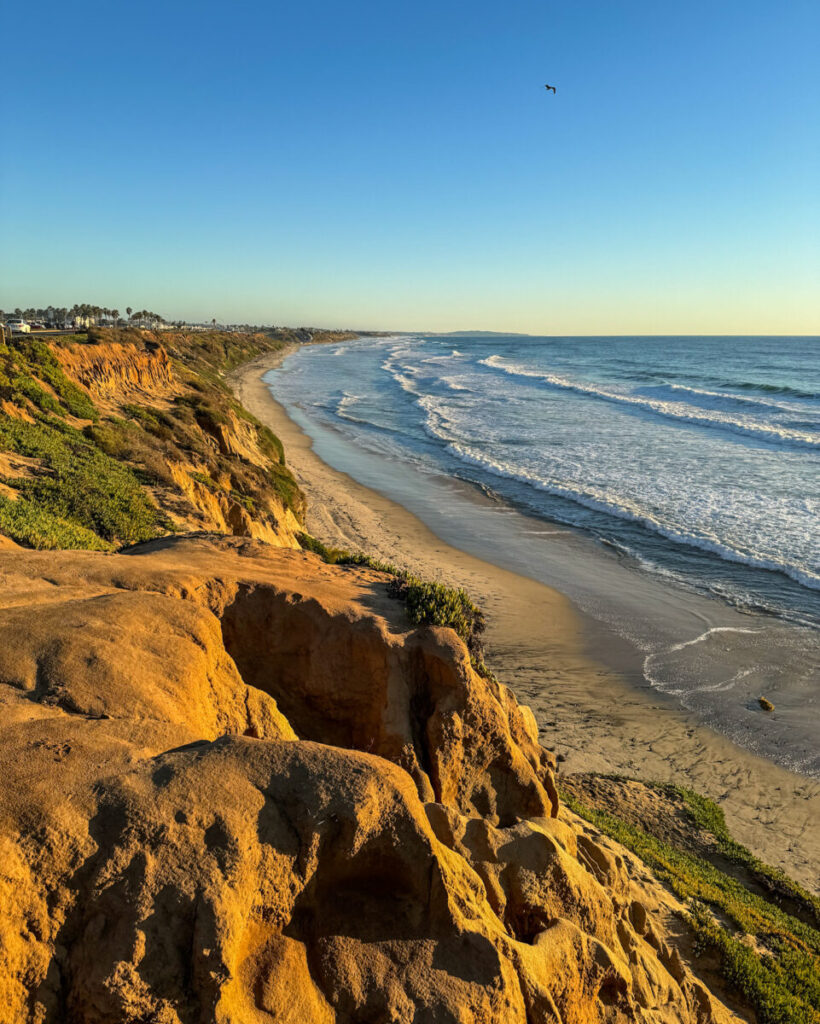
(591, 702)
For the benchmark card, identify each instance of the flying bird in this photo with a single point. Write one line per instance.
(550, 87)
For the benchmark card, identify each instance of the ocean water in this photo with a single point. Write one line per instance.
(695, 462)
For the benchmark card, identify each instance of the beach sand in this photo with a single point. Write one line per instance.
(590, 709)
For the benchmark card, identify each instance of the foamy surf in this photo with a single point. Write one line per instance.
(681, 515)
(656, 447)
(672, 410)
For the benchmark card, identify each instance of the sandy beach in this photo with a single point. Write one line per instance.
(589, 707)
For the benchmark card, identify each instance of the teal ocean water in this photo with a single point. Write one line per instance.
(692, 463)
(698, 456)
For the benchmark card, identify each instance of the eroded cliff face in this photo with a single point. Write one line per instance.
(133, 439)
(119, 375)
(119, 371)
(238, 788)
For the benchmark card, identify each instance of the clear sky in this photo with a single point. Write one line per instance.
(400, 165)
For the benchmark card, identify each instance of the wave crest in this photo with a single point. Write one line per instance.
(678, 411)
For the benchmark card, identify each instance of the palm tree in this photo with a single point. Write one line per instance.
(128, 311)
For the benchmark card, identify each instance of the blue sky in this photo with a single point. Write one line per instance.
(402, 166)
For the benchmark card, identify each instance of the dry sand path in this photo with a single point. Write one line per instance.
(536, 644)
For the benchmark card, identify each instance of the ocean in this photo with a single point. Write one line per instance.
(694, 462)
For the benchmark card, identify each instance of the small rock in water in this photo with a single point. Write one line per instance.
(765, 704)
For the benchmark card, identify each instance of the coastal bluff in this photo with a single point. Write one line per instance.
(239, 786)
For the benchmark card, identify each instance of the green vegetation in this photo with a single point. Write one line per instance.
(202, 359)
(268, 441)
(435, 604)
(426, 603)
(26, 387)
(89, 488)
(34, 527)
(82, 498)
(706, 814)
(42, 363)
(25, 366)
(782, 983)
(215, 353)
(339, 556)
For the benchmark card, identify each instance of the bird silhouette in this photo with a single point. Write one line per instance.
(550, 87)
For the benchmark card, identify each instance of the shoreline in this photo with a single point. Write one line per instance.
(592, 709)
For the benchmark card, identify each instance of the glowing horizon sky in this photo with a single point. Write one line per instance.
(404, 168)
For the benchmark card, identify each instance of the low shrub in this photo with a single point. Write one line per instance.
(284, 485)
(427, 603)
(270, 444)
(154, 421)
(205, 480)
(83, 485)
(706, 814)
(29, 524)
(24, 387)
(435, 604)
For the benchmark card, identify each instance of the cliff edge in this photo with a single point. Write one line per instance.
(119, 436)
(238, 786)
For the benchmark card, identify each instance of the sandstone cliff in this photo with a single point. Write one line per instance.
(118, 370)
(239, 788)
(135, 436)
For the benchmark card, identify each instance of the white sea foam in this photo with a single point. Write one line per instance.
(455, 385)
(623, 507)
(344, 405)
(654, 674)
(347, 400)
(401, 378)
(455, 354)
(753, 504)
(728, 396)
(707, 635)
(671, 410)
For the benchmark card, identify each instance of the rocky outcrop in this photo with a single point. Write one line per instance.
(239, 788)
(349, 681)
